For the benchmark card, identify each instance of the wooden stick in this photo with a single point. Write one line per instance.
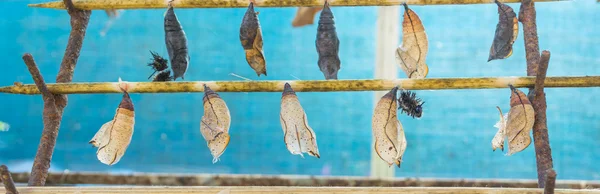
(550, 182)
(54, 106)
(162, 4)
(9, 184)
(306, 85)
(543, 153)
(147, 179)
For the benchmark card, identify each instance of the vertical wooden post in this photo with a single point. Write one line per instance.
(388, 32)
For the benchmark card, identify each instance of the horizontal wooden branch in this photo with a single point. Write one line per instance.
(282, 190)
(164, 179)
(306, 86)
(162, 4)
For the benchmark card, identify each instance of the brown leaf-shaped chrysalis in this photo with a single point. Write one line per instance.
(176, 42)
(413, 51)
(390, 142)
(328, 44)
(299, 138)
(114, 137)
(498, 140)
(252, 41)
(305, 16)
(507, 31)
(519, 122)
(214, 124)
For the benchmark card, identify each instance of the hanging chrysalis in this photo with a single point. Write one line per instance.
(305, 16)
(390, 141)
(409, 103)
(507, 31)
(159, 64)
(214, 124)
(176, 44)
(299, 138)
(519, 122)
(114, 137)
(328, 44)
(498, 141)
(413, 51)
(252, 42)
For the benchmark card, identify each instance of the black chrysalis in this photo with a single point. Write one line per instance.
(176, 44)
(328, 44)
(507, 31)
(410, 104)
(158, 63)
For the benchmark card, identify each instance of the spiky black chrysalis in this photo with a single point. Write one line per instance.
(163, 76)
(158, 63)
(410, 104)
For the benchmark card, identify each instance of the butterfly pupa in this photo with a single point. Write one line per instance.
(299, 138)
(498, 140)
(507, 31)
(176, 42)
(328, 44)
(413, 51)
(519, 122)
(252, 42)
(390, 142)
(114, 137)
(214, 124)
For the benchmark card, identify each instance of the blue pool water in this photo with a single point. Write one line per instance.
(452, 140)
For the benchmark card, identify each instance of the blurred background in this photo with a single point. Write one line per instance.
(451, 140)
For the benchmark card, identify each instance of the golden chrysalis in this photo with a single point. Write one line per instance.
(214, 124)
(390, 142)
(413, 51)
(299, 138)
(114, 137)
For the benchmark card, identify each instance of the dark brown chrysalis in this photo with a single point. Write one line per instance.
(507, 31)
(176, 44)
(328, 44)
(251, 38)
(410, 104)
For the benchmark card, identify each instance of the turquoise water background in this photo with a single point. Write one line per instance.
(452, 140)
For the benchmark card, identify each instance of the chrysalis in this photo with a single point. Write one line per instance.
(390, 141)
(328, 44)
(305, 16)
(413, 51)
(114, 137)
(498, 141)
(410, 104)
(299, 138)
(214, 124)
(252, 42)
(176, 44)
(507, 31)
(520, 121)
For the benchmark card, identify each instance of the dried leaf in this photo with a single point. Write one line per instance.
(409, 103)
(298, 136)
(215, 122)
(305, 16)
(507, 31)
(328, 44)
(520, 121)
(252, 42)
(114, 137)
(390, 142)
(176, 42)
(498, 140)
(413, 51)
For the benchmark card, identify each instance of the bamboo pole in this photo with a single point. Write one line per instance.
(305, 86)
(161, 4)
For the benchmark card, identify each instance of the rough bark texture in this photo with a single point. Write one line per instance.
(550, 182)
(543, 153)
(55, 104)
(9, 184)
(532, 48)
